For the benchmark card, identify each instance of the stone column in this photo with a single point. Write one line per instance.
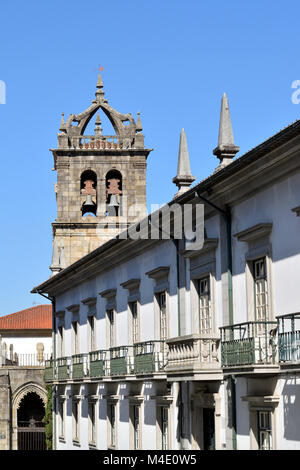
(4, 412)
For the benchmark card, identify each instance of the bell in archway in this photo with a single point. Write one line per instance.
(113, 201)
(89, 205)
(113, 206)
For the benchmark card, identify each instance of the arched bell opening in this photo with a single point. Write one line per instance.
(99, 125)
(113, 193)
(88, 191)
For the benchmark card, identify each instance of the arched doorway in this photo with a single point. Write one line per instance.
(31, 430)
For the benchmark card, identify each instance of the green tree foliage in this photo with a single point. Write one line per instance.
(47, 420)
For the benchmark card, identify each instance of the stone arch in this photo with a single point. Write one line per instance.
(17, 398)
(22, 391)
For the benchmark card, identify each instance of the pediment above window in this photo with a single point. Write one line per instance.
(261, 230)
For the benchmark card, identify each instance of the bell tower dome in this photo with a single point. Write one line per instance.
(101, 180)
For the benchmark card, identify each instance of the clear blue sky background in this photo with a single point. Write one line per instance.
(170, 59)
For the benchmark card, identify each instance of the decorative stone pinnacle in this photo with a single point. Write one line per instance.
(226, 148)
(184, 178)
(139, 127)
(98, 129)
(99, 92)
(99, 82)
(62, 123)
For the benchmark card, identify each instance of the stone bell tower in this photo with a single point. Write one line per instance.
(101, 180)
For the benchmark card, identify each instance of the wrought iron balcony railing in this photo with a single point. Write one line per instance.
(289, 338)
(121, 360)
(79, 366)
(49, 374)
(63, 368)
(98, 361)
(149, 357)
(248, 343)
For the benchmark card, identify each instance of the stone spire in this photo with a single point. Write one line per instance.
(184, 178)
(99, 92)
(98, 128)
(226, 148)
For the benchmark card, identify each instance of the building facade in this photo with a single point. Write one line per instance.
(25, 345)
(160, 346)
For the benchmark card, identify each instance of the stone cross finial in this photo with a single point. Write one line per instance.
(226, 148)
(184, 178)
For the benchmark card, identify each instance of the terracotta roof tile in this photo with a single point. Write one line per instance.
(33, 318)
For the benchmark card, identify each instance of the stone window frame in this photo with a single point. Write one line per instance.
(202, 263)
(163, 401)
(111, 304)
(76, 399)
(112, 400)
(257, 238)
(133, 289)
(60, 326)
(135, 400)
(62, 417)
(75, 337)
(92, 400)
(262, 403)
(91, 303)
(160, 276)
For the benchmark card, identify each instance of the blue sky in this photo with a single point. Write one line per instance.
(171, 60)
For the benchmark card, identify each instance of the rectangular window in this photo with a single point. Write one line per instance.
(164, 425)
(136, 427)
(264, 430)
(92, 422)
(111, 324)
(112, 424)
(75, 411)
(260, 289)
(61, 418)
(162, 315)
(205, 318)
(75, 337)
(91, 322)
(61, 341)
(135, 322)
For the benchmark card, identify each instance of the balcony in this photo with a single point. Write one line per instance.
(98, 363)
(289, 339)
(49, 374)
(25, 360)
(249, 345)
(121, 361)
(63, 368)
(79, 366)
(103, 142)
(149, 357)
(194, 355)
